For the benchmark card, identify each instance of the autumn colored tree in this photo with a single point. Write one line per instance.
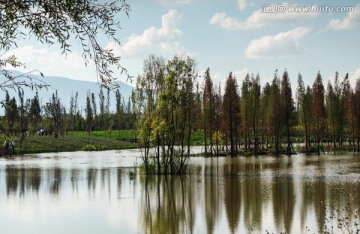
(274, 113)
(208, 111)
(231, 111)
(356, 108)
(304, 105)
(265, 123)
(245, 104)
(287, 109)
(255, 93)
(319, 112)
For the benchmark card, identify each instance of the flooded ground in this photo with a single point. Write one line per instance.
(98, 192)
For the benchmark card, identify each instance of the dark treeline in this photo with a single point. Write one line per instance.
(246, 119)
(22, 117)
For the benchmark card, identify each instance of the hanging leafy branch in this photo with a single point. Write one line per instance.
(56, 21)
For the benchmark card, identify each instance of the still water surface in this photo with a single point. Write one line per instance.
(96, 192)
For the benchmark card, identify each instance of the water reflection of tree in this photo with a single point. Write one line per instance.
(232, 195)
(55, 180)
(253, 195)
(22, 179)
(91, 179)
(283, 203)
(168, 204)
(212, 195)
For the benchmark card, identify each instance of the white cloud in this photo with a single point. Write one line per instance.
(227, 22)
(281, 45)
(45, 58)
(52, 63)
(243, 4)
(349, 21)
(260, 19)
(159, 41)
(354, 77)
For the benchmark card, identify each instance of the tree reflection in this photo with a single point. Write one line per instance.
(212, 195)
(55, 180)
(22, 180)
(232, 195)
(167, 206)
(283, 203)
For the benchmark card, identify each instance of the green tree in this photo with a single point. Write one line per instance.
(265, 117)
(35, 112)
(94, 121)
(304, 104)
(148, 89)
(208, 112)
(89, 114)
(119, 110)
(164, 102)
(56, 111)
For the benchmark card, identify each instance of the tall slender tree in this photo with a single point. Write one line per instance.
(231, 112)
(318, 109)
(208, 112)
(89, 114)
(287, 110)
(255, 93)
(245, 103)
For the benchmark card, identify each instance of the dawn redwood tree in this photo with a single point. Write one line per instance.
(304, 103)
(55, 110)
(208, 111)
(95, 121)
(120, 115)
(89, 114)
(331, 114)
(11, 113)
(265, 124)
(245, 104)
(356, 108)
(274, 113)
(255, 93)
(231, 112)
(349, 113)
(318, 110)
(35, 112)
(287, 110)
(217, 117)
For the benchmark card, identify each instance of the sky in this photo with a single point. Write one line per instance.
(238, 36)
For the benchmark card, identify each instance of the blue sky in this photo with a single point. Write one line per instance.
(225, 35)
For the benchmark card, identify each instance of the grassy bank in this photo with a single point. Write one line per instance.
(39, 144)
(80, 140)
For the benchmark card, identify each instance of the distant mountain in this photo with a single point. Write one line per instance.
(67, 87)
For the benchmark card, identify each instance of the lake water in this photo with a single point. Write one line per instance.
(97, 192)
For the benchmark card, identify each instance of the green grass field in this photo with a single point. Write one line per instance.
(128, 135)
(75, 142)
(81, 140)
